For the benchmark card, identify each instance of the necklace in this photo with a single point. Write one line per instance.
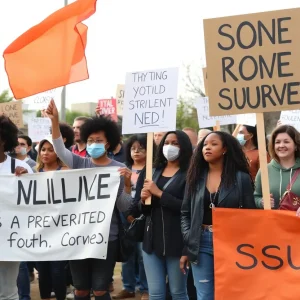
(213, 199)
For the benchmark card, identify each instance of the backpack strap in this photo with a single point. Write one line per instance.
(13, 165)
(294, 178)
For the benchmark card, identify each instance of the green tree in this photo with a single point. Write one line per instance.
(5, 97)
(186, 115)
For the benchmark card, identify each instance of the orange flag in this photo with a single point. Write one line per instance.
(50, 54)
(256, 254)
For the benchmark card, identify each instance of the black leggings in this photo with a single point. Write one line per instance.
(52, 278)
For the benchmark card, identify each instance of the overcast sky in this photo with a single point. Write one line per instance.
(130, 35)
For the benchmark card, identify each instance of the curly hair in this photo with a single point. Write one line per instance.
(186, 151)
(234, 161)
(293, 134)
(105, 124)
(8, 134)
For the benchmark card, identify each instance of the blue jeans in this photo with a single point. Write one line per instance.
(23, 282)
(157, 269)
(203, 272)
(133, 271)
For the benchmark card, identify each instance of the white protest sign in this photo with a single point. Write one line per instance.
(63, 215)
(246, 119)
(204, 119)
(38, 128)
(291, 117)
(150, 101)
(41, 100)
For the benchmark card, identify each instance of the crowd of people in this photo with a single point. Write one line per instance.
(192, 174)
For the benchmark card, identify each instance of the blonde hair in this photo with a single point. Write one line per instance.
(39, 164)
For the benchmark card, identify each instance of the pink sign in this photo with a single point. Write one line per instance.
(108, 107)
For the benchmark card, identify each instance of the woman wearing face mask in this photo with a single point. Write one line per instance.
(217, 177)
(163, 249)
(284, 148)
(101, 134)
(247, 138)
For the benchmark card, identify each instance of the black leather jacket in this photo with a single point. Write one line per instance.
(238, 195)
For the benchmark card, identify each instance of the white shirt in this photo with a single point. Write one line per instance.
(5, 167)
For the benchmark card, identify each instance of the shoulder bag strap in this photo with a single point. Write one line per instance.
(13, 165)
(294, 178)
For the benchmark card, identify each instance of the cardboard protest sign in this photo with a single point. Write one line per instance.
(38, 128)
(62, 215)
(13, 110)
(108, 107)
(291, 117)
(253, 62)
(120, 98)
(41, 101)
(205, 120)
(150, 101)
(256, 254)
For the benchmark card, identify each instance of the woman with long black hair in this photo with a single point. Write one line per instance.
(217, 177)
(163, 248)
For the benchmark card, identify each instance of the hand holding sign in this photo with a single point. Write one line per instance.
(145, 194)
(152, 188)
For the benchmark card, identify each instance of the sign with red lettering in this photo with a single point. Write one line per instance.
(108, 107)
(253, 62)
(256, 254)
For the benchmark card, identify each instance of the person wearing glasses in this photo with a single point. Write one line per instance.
(101, 135)
(135, 152)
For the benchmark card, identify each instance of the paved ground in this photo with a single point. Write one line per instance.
(118, 285)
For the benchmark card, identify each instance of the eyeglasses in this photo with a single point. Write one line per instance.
(90, 142)
(141, 150)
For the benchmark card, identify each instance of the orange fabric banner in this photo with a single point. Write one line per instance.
(256, 254)
(50, 54)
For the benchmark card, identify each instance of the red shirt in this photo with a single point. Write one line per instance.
(82, 153)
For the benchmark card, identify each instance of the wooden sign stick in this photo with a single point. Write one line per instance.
(263, 160)
(218, 126)
(149, 161)
(236, 130)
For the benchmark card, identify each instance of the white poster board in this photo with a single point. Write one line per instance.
(150, 101)
(38, 128)
(291, 117)
(246, 119)
(63, 215)
(41, 101)
(205, 120)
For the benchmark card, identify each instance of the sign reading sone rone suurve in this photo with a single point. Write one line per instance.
(253, 62)
(62, 215)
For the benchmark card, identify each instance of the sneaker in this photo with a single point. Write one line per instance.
(124, 294)
(145, 296)
(111, 287)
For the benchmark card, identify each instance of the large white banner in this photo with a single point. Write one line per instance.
(150, 101)
(63, 215)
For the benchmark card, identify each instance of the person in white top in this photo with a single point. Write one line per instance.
(8, 141)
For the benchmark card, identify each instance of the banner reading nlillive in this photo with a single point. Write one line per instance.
(63, 215)
(257, 254)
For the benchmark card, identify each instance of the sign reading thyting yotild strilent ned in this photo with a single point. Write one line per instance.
(253, 62)
(150, 101)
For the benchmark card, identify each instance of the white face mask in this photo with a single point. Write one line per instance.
(171, 152)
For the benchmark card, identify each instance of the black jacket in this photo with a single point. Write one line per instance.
(238, 195)
(164, 214)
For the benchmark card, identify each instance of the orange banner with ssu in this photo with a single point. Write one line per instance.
(256, 254)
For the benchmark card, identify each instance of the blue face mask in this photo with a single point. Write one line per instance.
(96, 150)
(241, 138)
